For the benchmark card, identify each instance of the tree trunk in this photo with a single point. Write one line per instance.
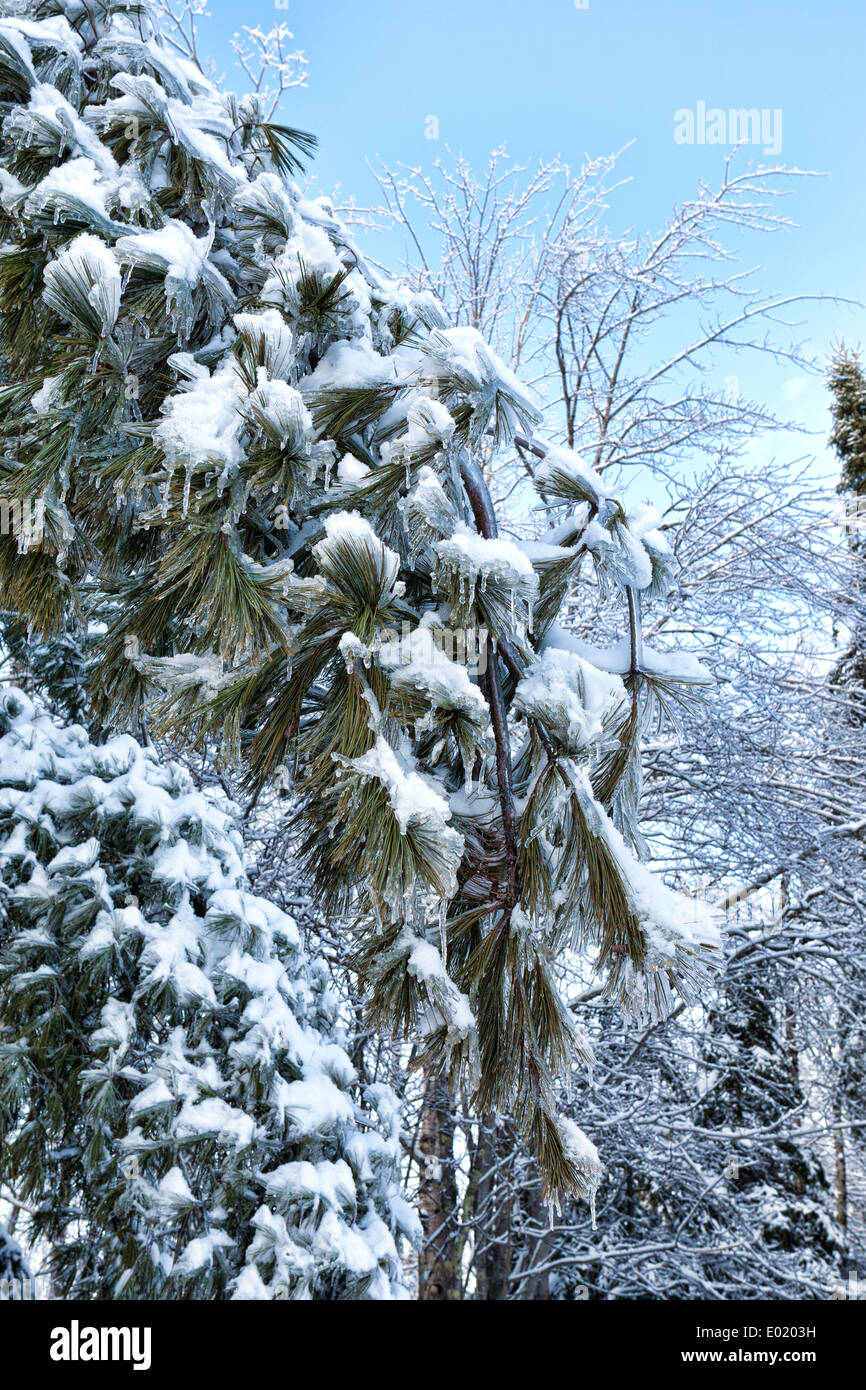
(493, 1234)
(439, 1262)
(537, 1286)
(840, 1178)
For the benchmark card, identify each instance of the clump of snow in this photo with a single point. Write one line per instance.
(351, 529)
(412, 797)
(461, 355)
(202, 423)
(89, 262)
(573, 699)
(564, 474)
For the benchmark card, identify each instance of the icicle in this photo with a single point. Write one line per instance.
(592, 1209)
(468, 760)
(163, 510)
(443, 933)
(186, 487)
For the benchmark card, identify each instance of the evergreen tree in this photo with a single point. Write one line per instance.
(711, 1191)
(261, 466)
(178, 1117)
(54, 669)
(848, 437)
(12, 1266)
(775, 1185)
(848, 386)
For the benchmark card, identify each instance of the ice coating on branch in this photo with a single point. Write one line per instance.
(483, 559)
(473, 559)
(669, 665)
(429, 424)
(270, 335)
(173, 249)
(49, 108)
(620, 555)
(352, 530)
(77, 181)
(202, 129)
(671, 921)
(183, 259)
(428, 512)
(462, 356)
(419, 663)
(449, 1007)
(582, 1153)
(283, 408)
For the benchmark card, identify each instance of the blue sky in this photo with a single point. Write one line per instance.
(550, 78)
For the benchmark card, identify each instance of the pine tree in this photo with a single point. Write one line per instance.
(262, 466)
(848, 437)
(847, 384)
(178, 1116)
(848, 387)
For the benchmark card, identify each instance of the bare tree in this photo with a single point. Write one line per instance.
(755, 796)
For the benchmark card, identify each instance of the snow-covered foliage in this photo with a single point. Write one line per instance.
(756, 792)
(179, 1117)
(259, 461)
(12, 1265)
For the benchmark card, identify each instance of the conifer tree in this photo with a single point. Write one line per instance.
(848, 386)
(12, 1266)
(55, 668)
(778, 1186)
(261, 465)
(713, 1188)
(848, 438)
(179, 1120)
